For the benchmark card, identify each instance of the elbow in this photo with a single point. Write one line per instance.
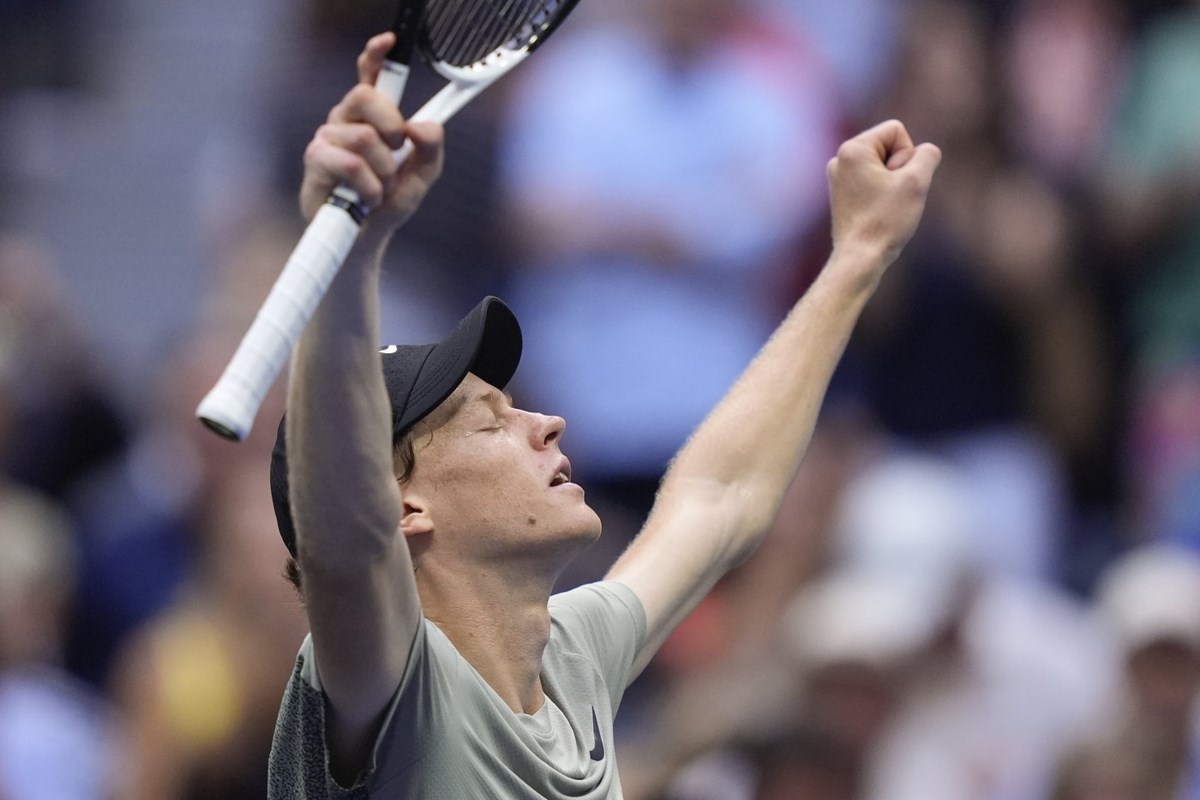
(748, 513)
(748, 536)
(737, 516)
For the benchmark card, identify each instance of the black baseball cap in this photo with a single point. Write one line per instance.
(486, 342)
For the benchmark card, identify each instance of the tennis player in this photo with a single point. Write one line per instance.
(428, 516)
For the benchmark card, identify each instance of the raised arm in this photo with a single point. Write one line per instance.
(356, 571)
(723, 490)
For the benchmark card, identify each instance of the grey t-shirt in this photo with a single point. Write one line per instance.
(447, 734)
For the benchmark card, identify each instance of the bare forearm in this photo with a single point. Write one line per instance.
(726, 486)
(751, 445)
(754, 440)
(344, 499)
(345, 502)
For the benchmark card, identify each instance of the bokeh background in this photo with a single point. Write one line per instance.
(985, 581)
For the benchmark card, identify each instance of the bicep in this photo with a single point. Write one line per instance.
(676, 560)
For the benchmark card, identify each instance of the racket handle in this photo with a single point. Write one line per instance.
(229, 409)
(401, 153)
(393, 76)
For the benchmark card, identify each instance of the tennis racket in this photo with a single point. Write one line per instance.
(471, 43)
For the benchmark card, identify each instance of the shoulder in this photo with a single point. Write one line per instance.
(598, 603)
(603, 623)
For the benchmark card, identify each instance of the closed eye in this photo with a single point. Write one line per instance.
(488, 411)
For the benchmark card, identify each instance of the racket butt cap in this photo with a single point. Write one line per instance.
(221, 430)
(220, 422)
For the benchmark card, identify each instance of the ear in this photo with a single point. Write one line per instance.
(417, 519)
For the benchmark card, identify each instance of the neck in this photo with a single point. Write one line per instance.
(500, 626)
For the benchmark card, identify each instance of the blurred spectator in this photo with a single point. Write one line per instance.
(660, 167)
(63, 422)
(186, 618)
(800, 764)
(858, 39)
(1008, 671)
(1164, 457)
(1064, 64)
(1150, 202)
(1152, 189)
(57, 737)
(200, 682)
(931, 676)
(1150, 600)
(983, 343)
(25, 25)
(139, 516)
(786, 765)
(1106, 771)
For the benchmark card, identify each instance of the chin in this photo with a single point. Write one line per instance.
(585, 529)
(596, 525)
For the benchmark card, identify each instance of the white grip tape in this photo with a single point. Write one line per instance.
(391, 80)
(401, 153)
(232, 404)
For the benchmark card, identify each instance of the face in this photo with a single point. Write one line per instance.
(494, 483)
(852, 703)
(1166, 678)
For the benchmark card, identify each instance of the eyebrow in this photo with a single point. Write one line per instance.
(492, 397)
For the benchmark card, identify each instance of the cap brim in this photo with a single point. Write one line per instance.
(486, 342)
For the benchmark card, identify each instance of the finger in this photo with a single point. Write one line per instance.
(364, 141)
(370, 60)
(428, 140)
(329, 165)
(925, 158)
(901, 157)
(363, 104)
(886, 138)
(426, 134)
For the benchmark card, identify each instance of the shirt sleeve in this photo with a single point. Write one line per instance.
(604, 622)
(413, 720)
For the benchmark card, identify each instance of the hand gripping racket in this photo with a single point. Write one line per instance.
(471, 43)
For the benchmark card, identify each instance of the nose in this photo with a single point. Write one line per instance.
(548, 429)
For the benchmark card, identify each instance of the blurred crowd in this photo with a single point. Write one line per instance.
(985, 582)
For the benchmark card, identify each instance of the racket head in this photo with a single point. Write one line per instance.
(474, 35)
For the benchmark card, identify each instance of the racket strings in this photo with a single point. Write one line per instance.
(463, 32)
(468, 31)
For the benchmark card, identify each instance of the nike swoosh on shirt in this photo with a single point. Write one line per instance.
(597, 753)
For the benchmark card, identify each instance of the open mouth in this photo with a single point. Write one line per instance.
(563, 475)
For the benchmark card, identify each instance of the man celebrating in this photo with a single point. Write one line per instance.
(429, 517)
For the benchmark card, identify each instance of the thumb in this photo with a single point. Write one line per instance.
(902, 157)
(924, 158)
